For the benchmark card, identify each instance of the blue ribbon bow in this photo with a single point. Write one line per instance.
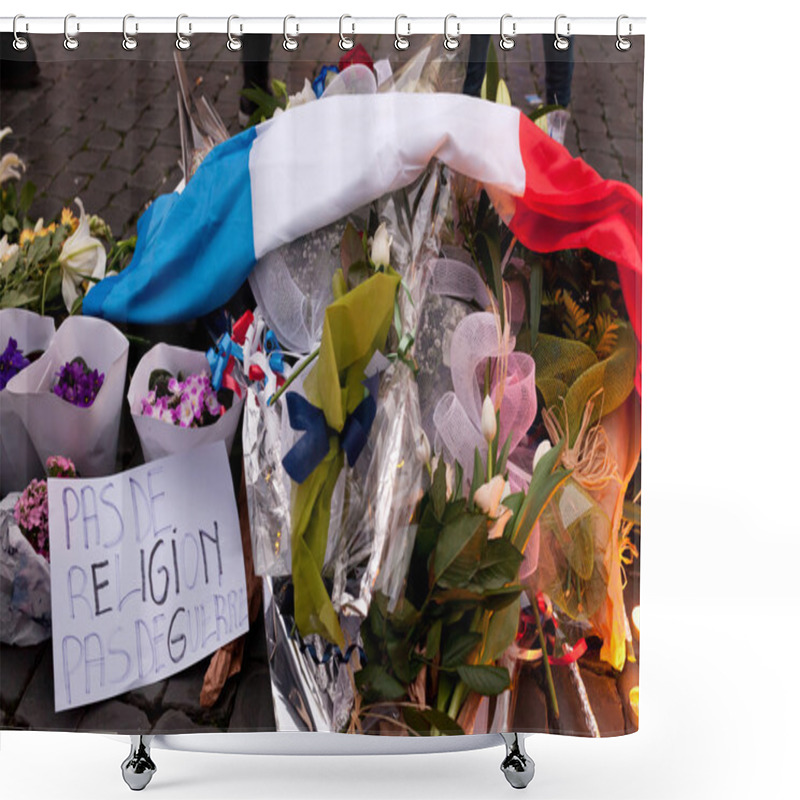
(272, 347)
(218, 357)
(318, 84)
(311, 448)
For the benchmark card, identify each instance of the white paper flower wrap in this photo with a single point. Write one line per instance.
(160, 438)
(87, 436)
(19, 464)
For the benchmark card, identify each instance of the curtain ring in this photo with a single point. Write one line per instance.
(623, 44)
(234, 42)
(20, 42)
(182, 42)
(401, 42)
(128, 42)
(70, 42)
(560, 42)
(507, 40)
(451, 42)
(289, 42)
(345, 43)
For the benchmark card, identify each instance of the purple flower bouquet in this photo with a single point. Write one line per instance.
(174, 406)
(30, 333)
(68, 407)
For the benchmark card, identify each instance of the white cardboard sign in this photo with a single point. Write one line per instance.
(147, 573)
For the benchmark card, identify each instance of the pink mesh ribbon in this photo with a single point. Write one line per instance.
(457, 416)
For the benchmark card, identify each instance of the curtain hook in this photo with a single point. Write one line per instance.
(289, 42)
(560, 42)
(70, 42)
(128, 42)
(401, 42)
(507, 40)
(622, 43)
(346, 43)
(182, 42)
(20, 42)
(234, 42)
(451, 42)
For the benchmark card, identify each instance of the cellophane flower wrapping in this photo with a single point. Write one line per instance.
(19, 462)
(159, 438)
(24, 583)
(87, 436)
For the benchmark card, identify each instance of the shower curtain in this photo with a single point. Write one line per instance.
(320, 385)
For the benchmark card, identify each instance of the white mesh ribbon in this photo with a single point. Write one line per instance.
(457, 416)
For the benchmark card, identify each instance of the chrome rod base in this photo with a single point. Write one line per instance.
(138, 768)
(517, 766)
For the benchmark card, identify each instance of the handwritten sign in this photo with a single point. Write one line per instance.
(147, 573)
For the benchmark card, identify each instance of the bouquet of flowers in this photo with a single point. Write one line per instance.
(68, 408)
(25, 559)
(174, 405)
(413, 565)
(24, 336)
(49, 268)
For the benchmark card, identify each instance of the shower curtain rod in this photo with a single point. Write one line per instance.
(347, 25)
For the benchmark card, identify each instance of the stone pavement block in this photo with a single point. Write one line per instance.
(147, 697)
(174, 721)
(114, 716)
(252, 710)
(603, 161)
(36, 709)
(66, 186)
(105, 139)
(16, 668)
(87, 162)
(111, 180)
(122, 119)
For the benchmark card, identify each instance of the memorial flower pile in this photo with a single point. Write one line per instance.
(77, 383)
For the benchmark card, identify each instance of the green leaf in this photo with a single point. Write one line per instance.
(375, 683)
(19, 298)
(433, 640)
(477, 475)
(485, 680)
(439, 489)
(499, 565)
(501, 631)
(461, 537)
(458, 478)
(632, 512)
(500, 466)
(492, 73)
(424, 720)
(546, 478)
(26, 197)
(10, 223)
(457, 648)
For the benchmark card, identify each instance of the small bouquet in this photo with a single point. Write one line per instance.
(25, 560)
(24, 336)
(77, 384)
(67, 408)
(31, 510)
(174, 405)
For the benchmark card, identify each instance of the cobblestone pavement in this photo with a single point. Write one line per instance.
(102, 125)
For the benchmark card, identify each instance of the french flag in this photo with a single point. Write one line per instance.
(320, 161)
